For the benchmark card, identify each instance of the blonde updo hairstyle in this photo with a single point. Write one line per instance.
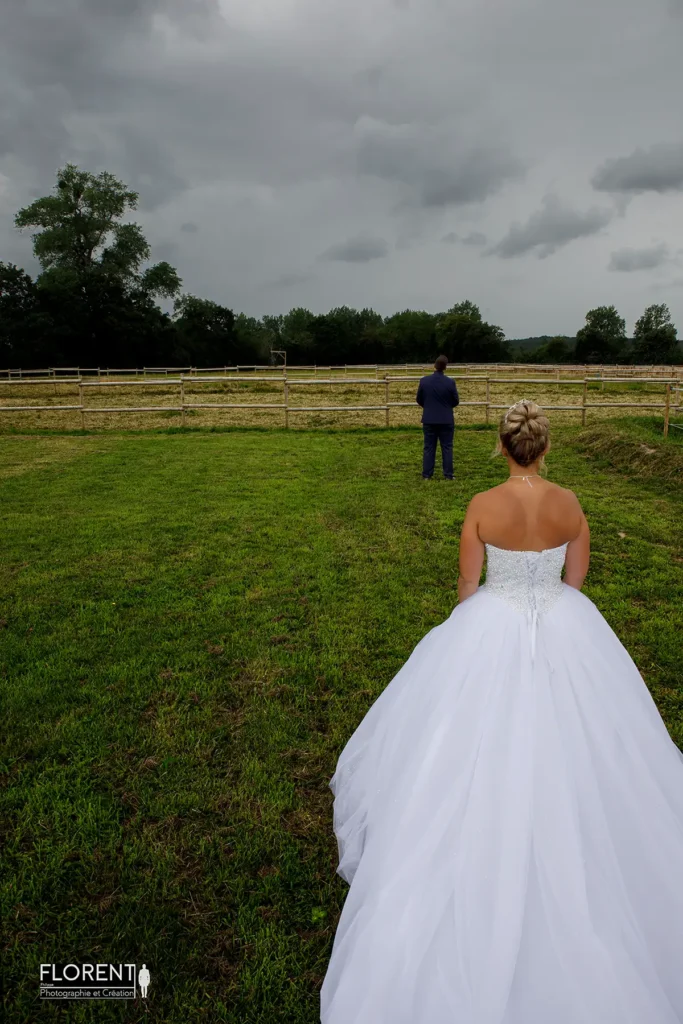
(524, 433)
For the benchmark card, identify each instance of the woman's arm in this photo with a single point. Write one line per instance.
(472, 553)
(578, 554)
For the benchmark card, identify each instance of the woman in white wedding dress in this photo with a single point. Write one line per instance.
(509, 812)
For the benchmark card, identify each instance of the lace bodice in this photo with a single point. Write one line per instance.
(525, 579)
(529, 581)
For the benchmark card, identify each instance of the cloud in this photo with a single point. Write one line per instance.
(290, 280)
(436, 170)
(278, 126)
(554, 225)
(189, 227)
(657, 169)
(639, 259)
(357, 250)
(474, 238)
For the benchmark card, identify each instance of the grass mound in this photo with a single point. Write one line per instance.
(638, 452)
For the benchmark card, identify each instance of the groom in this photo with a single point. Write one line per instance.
(438, 396)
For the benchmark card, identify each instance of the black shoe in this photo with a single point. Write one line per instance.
(426, 477)
(448, 478)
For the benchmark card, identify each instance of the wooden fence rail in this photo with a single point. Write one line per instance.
(489, 406)
(379, 370)
(676, 406)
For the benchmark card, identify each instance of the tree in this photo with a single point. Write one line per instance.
(206, 332)
(19, 317)
(81, 230)
(602, 338)
(94, 290)
(409, 337)
(296, 336)
(654, 337)
(464, 337)
(553, 350)
(253, 340)
(346, 335)
(467, 309)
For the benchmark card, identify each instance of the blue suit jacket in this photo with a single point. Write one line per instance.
(438, 396)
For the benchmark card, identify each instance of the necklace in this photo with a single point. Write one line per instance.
(527, 477)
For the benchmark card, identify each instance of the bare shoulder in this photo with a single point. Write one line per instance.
(565, 495)
(479, 500)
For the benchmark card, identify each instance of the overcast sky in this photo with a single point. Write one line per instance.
(524, 154)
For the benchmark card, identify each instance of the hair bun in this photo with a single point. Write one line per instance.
(524, 431)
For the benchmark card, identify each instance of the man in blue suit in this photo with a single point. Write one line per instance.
(438, 396)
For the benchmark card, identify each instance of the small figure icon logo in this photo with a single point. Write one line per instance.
(143, 981)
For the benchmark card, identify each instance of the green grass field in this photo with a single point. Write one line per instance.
(191, 626)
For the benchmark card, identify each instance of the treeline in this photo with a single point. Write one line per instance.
(93, 304)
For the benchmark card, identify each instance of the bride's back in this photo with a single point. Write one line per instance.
(528, 514)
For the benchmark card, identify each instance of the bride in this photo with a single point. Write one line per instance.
(509, 813)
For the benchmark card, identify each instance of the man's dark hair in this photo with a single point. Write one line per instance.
(441, 363)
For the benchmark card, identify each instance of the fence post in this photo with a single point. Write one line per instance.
(488, 397)
(667, 403)
(583, 402)
(286, 402)
(80, 398)
(182, 400)
(386, 395)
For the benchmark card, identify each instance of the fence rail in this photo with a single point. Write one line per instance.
(677, 406)
(672, 397)
(492, 369)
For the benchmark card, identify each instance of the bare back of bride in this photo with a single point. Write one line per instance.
(509, 813)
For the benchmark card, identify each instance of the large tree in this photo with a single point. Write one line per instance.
(654, 337)
(95, 285)
(80, 228)
(602, 338)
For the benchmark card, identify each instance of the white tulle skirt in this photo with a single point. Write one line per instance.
(512, 830)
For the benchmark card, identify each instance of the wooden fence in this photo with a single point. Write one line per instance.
(671, 389)
(676, 406)
(379, 370)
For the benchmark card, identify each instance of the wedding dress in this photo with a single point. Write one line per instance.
(509, 814)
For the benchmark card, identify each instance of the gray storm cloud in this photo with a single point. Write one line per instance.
(436, 168)
(297, 137)
(548, 229)
(357, 250)
(657, 169)
(628, 260)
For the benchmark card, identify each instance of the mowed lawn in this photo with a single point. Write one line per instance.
(191, 627)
